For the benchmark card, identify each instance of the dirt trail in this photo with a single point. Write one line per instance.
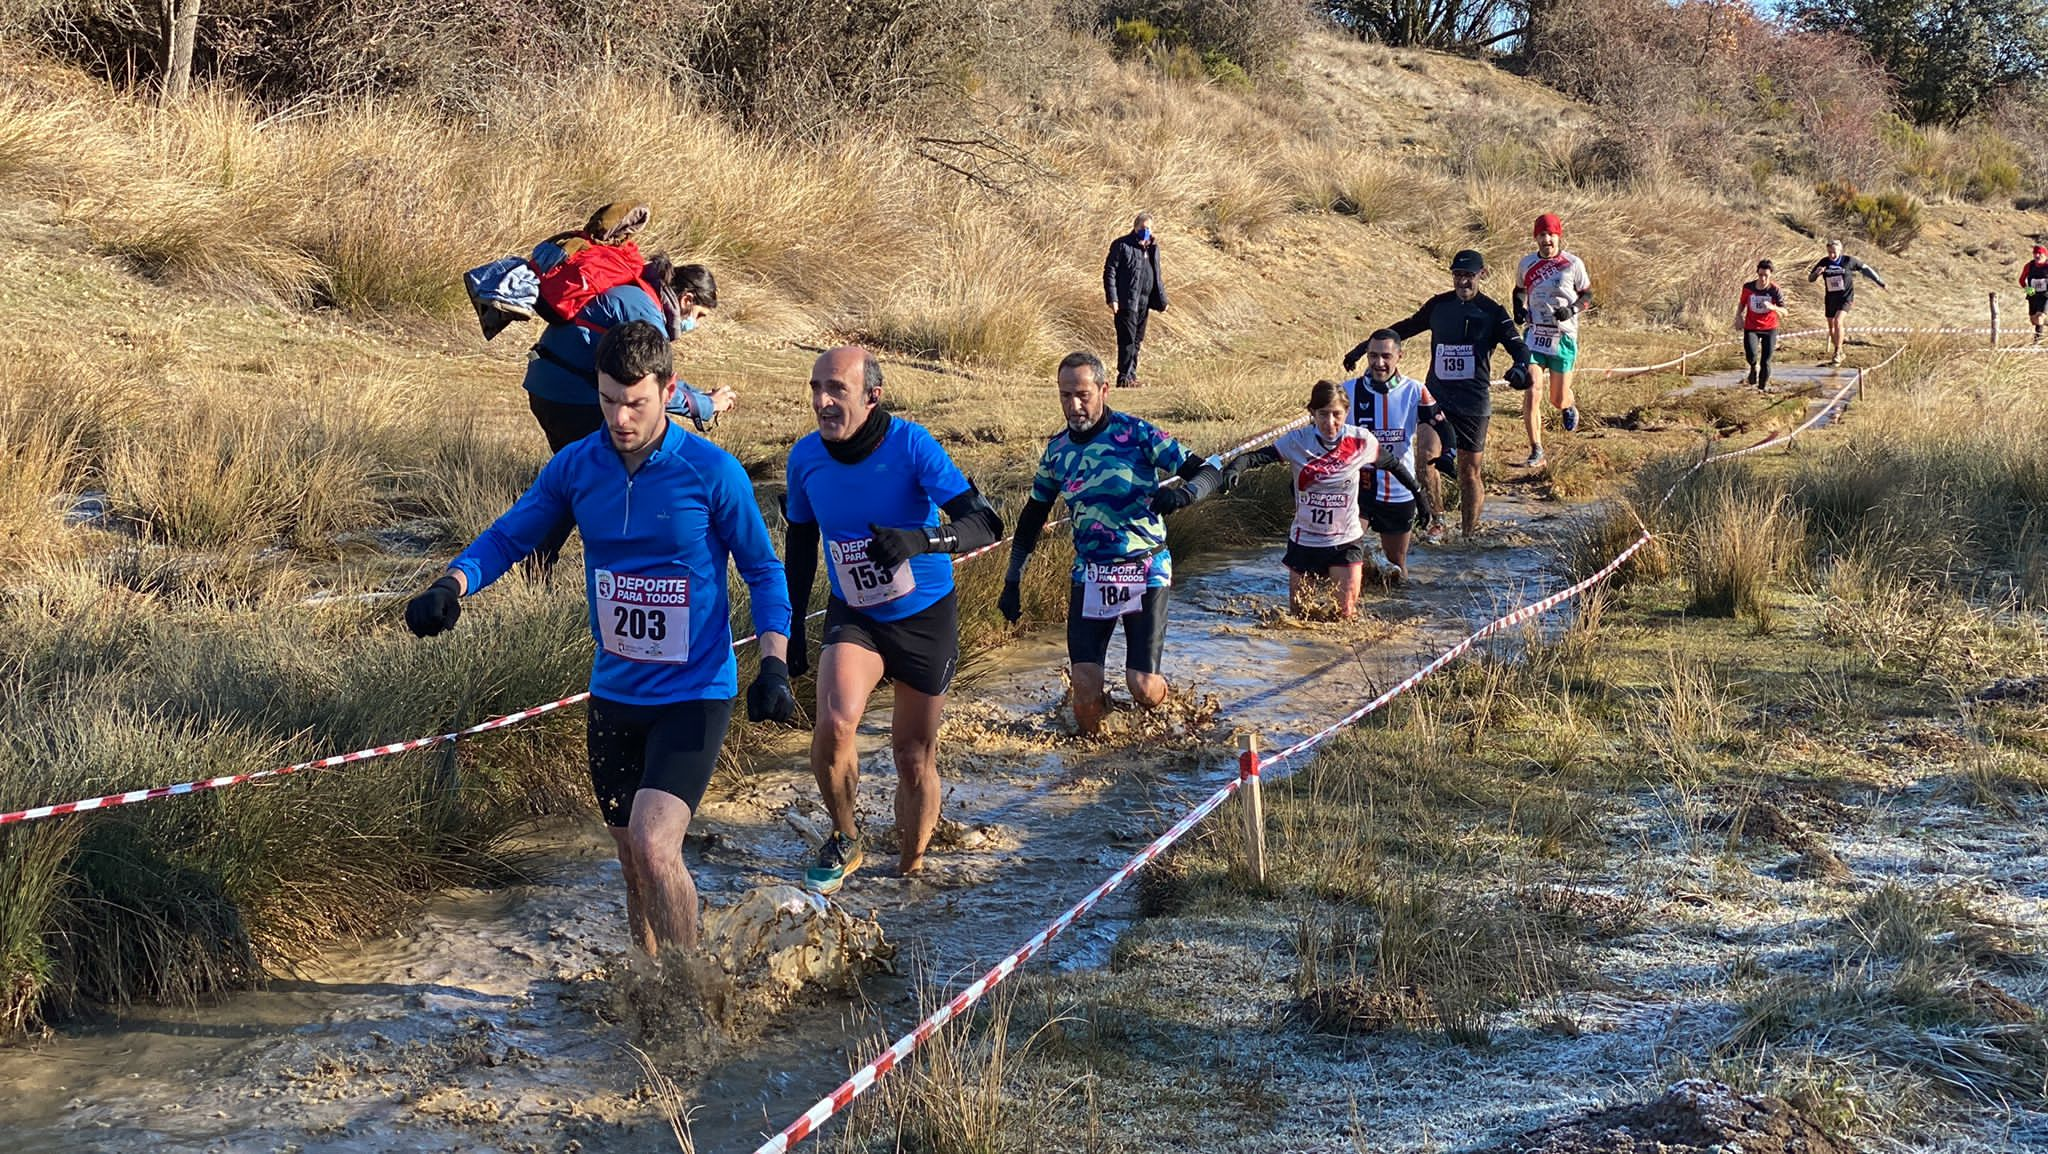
(493, 1024)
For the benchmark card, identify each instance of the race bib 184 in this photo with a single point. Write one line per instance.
(862, 583)
(1455, 362)
(1114, 589)
(643, 618)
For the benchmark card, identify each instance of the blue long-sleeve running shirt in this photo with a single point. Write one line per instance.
(655, 547)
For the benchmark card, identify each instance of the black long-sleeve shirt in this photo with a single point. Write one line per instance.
(1463, 335)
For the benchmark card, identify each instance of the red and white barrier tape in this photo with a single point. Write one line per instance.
(865, 1077)
(108, 801)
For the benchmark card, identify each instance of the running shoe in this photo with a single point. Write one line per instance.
(1749, 378)
(1433, 532)
(1390, 573)
(1535, 459)
(1571, 419)
(837, 858)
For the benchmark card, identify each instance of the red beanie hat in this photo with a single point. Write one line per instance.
(1549, 222)
(2041, 250)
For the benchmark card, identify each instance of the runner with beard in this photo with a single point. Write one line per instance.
(1465, 326)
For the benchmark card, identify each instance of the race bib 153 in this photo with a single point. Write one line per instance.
(862, 583)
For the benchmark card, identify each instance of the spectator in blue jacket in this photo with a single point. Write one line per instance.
(561, 369)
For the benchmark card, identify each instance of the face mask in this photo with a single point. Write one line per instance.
(686, 325)
(1144, 234)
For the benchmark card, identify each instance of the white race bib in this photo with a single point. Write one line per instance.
(862, 583)
(643, 618)
(1455, 362)
(2038, 285)
(1759, 303)
(1112, 590)
(1836, 281)
(1543, 339)
(1325, 518)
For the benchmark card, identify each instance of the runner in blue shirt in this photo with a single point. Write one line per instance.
(872, 486)
(1107, 465)
(661, 513)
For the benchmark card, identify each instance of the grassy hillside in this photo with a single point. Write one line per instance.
(236, 372)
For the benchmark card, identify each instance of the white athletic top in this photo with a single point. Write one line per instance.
(1560, 280)
(1326, 482)
(1392, 417)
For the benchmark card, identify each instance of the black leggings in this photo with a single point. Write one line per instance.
(1758, 346)
(564, 425)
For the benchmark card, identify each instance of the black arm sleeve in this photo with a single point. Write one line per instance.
(1030, 523)
(1257, 457)
(1433, 415)
(800, 564)
(974, 522)
(1391, 462)
(1414, 326)
(1509, 337)
(1519, 304)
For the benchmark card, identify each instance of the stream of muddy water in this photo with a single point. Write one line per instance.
(495, 1022)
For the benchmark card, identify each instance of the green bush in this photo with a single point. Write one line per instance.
(1891, 220)
(1229, 41)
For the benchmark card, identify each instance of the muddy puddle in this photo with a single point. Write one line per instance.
(1804, 390)
(504, 1020)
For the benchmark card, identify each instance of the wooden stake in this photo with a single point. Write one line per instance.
(1994, 320)
(1254, 805)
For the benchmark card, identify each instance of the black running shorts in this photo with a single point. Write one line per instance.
(1469, 421)
(921, 651)
(672, 748)
(2036, 306)
(1144, 632)
(1390, 517)
(1317, 560)
(1835, 304)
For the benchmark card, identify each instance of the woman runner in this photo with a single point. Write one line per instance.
(1327, 540)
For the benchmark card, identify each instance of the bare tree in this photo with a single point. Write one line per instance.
(181, 28)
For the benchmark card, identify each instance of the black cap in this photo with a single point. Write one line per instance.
(1468, 260)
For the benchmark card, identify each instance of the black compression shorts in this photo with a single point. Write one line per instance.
(672, 748)
(1835, 304)
(921, 651)
(1144, 632)
(1317, 560)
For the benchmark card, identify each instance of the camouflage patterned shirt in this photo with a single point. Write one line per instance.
(1108, 481)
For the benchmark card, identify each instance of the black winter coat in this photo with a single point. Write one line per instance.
(1130, 274)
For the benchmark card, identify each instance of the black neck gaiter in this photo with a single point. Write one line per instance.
(855, 449)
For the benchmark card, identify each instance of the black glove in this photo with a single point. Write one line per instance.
(1518, 376)
(1564, 312)
(799, 660)
(892, 547)
(769, 698)
(1521, 315)
(435, 610)
(1172, 500)
(1233, 473)
(1350, 362)
(1447, 463)
(1011, 603)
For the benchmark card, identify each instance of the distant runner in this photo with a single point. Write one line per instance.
(1837, 274)
(872, 486)
(1107, 465)
(2034, 280)
(1326, 543)
(1758, 312)
(1551, 289)
(1465, 325)
(661, 513)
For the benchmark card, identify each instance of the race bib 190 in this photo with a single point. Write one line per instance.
(862, 583)
(1455, 362)
(643, 618)
(1543, 339)
(1113, 590)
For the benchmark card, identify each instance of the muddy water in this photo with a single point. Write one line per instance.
(494, 1022)
(1810, 387)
